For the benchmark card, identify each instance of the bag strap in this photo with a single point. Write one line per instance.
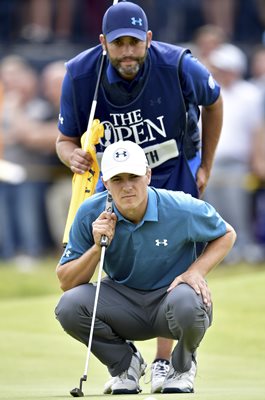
(184, 132)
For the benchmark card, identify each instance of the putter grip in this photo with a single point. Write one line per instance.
(104, 241)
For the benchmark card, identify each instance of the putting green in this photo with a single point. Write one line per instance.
(39, 361)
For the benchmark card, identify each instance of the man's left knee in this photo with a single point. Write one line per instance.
(186, 307)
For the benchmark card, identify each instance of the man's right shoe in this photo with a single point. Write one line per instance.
(128, 381)
(159, 371)
(108, 385)
(180, 382)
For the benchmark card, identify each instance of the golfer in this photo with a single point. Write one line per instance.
(154, 285)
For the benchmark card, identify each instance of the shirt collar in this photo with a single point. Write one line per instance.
(151, 213)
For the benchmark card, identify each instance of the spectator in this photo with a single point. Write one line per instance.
(24, 226)
(174, 20)
(243, 117)
(257, 68)
(59, 192)
(257, 77)
(206, 39)
(45, 20)
(221, 13)
(258, 168)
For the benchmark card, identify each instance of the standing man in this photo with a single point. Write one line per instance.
(155, 284)
(150, 93)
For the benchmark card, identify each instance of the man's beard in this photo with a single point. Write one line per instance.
(130, 71)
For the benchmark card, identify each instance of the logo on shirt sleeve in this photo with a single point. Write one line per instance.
(67, 253)
(211, 82)
(61, 119)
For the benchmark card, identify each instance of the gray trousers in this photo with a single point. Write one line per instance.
(129, 314)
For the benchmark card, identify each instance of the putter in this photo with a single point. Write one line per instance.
(77, 392)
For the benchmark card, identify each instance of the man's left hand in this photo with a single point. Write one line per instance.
(202, 180)
(197, 282)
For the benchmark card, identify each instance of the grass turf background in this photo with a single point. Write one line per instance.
(39, 361)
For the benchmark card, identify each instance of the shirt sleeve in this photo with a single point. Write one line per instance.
(67, 119)
(80, 238)
(198, 85)
(205, 223)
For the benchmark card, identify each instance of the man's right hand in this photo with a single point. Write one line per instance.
(80, 161)
(104, 225)
(70, 152)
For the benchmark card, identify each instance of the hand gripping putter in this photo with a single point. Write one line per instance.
(77, 392)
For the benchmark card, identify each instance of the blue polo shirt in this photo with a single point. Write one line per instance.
(149, 255)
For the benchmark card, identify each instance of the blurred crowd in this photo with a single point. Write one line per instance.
(29, 209)
(171, 20)
(35, 188)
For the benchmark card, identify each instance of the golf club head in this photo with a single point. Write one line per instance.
(77, 392)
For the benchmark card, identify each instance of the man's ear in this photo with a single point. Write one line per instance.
(149, 36)
(105, 184)
(102, 41)
(149, 175)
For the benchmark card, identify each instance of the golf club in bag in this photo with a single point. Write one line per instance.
(77, 392)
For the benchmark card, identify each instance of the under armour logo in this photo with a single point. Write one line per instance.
(61, 119)
(138, 21)
(67, 253)
(121, 155)
(162, 242)
(211, 82)
(157, 101)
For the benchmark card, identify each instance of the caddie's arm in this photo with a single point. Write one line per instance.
(212, 119)
(81, 270)
(71, 154)
(214, 253)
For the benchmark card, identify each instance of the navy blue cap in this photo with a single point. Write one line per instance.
(124, 19)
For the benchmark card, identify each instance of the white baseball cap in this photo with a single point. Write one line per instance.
(123, 157)
(229, 58)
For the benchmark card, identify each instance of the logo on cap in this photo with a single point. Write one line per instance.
(121, 155)
(124, 19)
(138, 21)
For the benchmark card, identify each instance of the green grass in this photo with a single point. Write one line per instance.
(39, 361)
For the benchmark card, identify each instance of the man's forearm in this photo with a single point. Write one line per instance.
(212, 118)
(79, 271)
(65, 149)
(214, 252)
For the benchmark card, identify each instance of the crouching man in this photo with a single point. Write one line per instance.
(154, 284)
